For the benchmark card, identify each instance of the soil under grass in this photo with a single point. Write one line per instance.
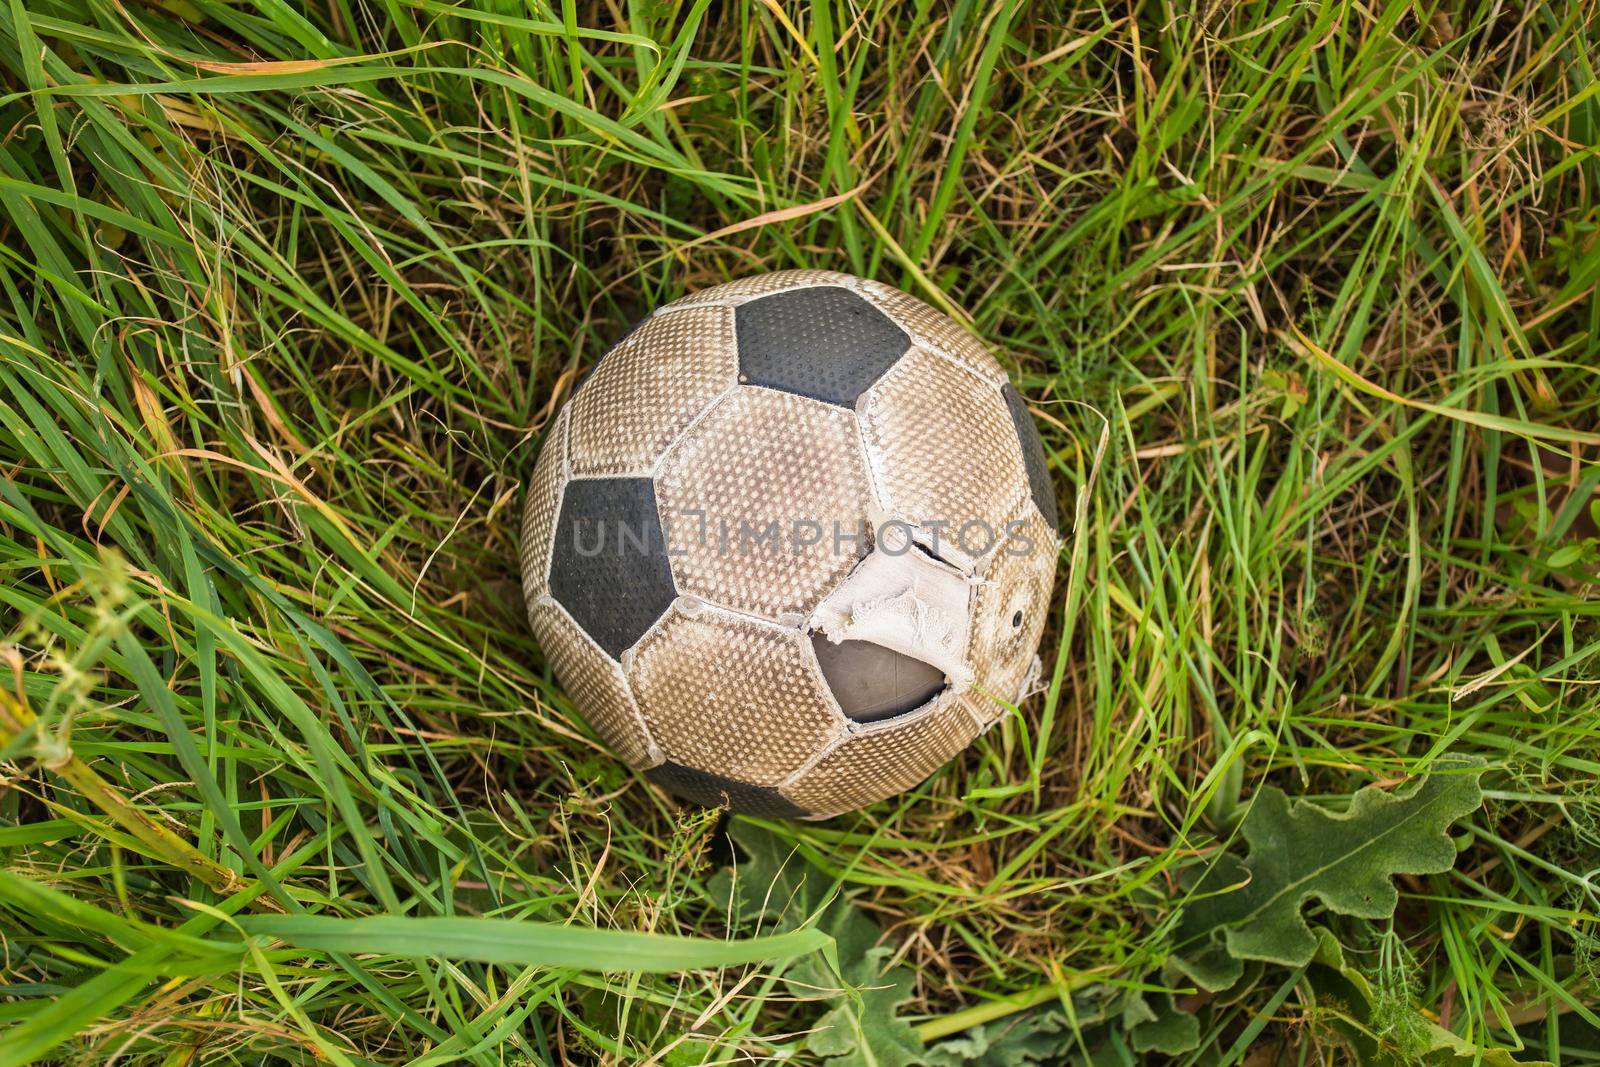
(288, 294)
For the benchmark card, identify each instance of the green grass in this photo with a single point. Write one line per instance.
(288, 293)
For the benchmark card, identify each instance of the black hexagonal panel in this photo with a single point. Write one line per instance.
(609, 564)
(824, 342)
(714, 791)
(1033, 460)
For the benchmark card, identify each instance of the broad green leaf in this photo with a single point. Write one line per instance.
(862, 1029)
(1155, 1024)
(1299, 853)
(1043, 1035)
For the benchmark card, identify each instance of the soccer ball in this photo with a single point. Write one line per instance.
(789, 547)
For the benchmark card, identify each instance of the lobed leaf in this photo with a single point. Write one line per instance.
(863, 1028)
(1299, 853)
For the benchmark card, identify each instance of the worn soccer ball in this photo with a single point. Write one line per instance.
(789, 546)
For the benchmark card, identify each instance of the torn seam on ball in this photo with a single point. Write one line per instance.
(894, 634)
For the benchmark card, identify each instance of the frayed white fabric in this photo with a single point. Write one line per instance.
(906, 602)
